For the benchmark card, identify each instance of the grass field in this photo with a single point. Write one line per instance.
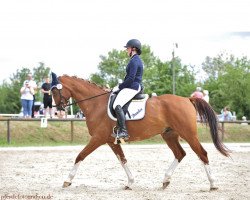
(59, 133)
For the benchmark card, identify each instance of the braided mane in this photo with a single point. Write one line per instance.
(88, 81)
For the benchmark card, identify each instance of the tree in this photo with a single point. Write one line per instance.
(10, 92)
(111, 68)
(236, 86)
(157, 75)
(39, 74)
(231, 86)
(4, 89)
(12, 99)
(215, 67)
(185, 79)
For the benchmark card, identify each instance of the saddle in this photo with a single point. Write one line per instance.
(134, 109)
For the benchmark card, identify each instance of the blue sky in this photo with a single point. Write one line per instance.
(70, 35)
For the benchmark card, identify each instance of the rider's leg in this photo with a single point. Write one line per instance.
(122, 130)
(124, 96)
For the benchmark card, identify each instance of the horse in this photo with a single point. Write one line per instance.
(171, 116)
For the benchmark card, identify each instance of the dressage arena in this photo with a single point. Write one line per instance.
(39, 172)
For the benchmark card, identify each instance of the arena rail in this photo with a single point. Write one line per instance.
(71, 120)
(243, 122)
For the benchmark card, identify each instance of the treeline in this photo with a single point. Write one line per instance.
(226, 77)
(10, 90)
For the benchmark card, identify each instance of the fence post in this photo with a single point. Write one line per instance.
(8, 131)
(72, 131)
(222, 130)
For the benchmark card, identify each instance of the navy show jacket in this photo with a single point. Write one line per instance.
(134, 71)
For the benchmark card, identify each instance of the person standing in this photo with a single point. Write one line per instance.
(206, 95)
(47, 97)
(27, 93)
(226, 114)
(131, 85)
(197, 93)
(32, 84)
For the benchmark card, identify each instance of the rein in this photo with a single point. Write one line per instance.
(75, 102)
(62, 105)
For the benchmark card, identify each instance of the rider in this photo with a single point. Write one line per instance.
(130, 86)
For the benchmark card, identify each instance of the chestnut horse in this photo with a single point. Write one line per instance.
(168, 115)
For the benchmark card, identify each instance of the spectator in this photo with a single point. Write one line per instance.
(79, 114)
(47, 97)
(32, 84)
(225, 115)
(60, 114)
(206, 95)
(197, 93)
(27, 93)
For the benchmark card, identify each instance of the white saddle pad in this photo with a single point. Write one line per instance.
(136, 109)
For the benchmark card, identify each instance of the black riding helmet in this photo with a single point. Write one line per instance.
(134, 43)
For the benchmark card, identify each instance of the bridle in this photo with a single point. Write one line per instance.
(65, 103)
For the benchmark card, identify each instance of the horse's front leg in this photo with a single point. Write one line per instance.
(117, 149)
(93, 144)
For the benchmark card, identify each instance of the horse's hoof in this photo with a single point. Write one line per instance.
(127, 188)
(66, 184)
(214, 188)
(164, 185)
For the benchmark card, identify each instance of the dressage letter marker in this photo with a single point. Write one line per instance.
(44, 123)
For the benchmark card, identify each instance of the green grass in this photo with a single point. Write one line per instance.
(59, 133)
(31, 134)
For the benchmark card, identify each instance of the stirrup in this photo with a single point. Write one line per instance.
(123, 136)
(118, 140)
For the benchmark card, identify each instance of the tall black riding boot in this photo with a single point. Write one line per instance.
(122, 130)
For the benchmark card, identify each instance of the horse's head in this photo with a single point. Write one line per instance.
(60, 93)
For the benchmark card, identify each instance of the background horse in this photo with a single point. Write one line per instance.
(168, 115)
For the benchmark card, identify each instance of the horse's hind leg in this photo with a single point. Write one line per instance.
(172, 140)
(116, 148)
(202, 154)
(93, 144)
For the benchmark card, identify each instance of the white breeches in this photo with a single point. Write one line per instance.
(124, 96)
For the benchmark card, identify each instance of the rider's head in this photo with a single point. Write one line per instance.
(135, 46)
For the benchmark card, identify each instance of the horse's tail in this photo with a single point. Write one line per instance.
(208, 116)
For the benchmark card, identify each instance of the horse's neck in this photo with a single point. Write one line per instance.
(88, 95)
(86, 90)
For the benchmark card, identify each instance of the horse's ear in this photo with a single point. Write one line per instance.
(54, 79)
